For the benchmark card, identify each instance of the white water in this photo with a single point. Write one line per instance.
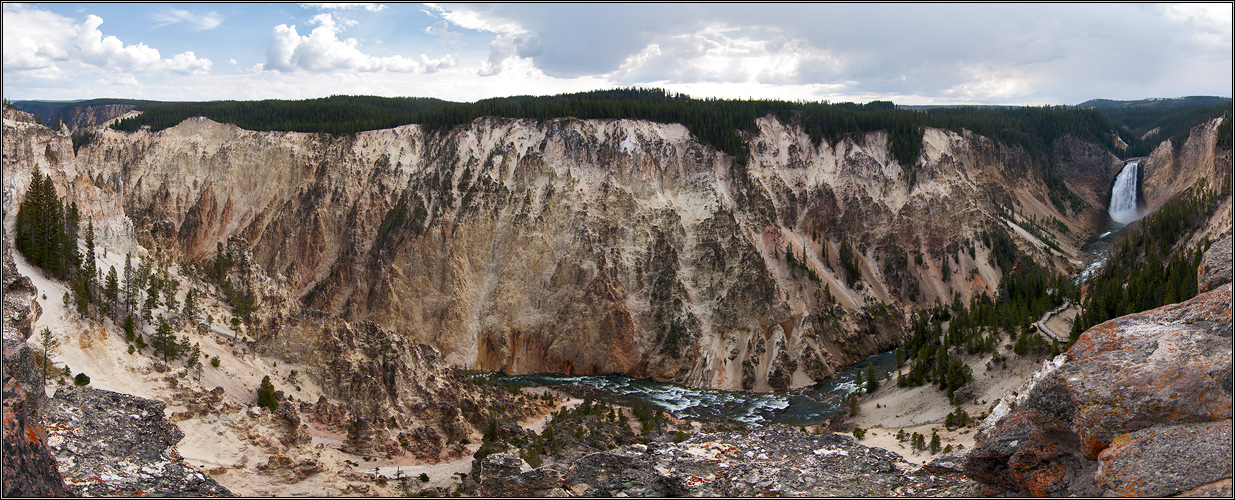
(1123, 194)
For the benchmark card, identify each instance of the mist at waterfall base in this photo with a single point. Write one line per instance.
(1123, 194)
(1123, 210)
(806, 406)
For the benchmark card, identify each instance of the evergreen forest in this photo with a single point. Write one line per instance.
(719, 123)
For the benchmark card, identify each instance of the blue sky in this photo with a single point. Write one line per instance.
(907, 53)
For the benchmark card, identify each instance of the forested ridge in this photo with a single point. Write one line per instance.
(719, 123)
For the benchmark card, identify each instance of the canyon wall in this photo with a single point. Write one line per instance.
(585, 246)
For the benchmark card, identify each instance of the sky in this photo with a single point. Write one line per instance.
(908, 53)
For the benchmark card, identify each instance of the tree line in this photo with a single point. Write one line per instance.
(719, 123)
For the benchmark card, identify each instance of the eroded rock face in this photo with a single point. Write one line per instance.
(30, 470)
(389, 395)
(578, 246)
(112, 444)
(1141, 407)
(20, 309)
(776, 460)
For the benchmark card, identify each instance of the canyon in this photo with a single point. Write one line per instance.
(381, 261)
(583, 247)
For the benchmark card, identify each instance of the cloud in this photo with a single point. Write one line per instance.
(371, 7)
(478, 20)
(441, 29)
(1004, 52)
(722, 54)
(198, 22)
(39, 43)
(322, 51)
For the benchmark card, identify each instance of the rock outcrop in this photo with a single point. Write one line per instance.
(771, 461)
(20, 309)
(1141, 407)
(112, 444)
(30, 470)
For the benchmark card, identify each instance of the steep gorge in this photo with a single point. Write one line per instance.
(585, 247)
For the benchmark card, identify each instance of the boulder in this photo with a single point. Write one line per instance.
(1141, 406)
(1215, 269)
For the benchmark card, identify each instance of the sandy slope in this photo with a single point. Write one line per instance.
(923, 409)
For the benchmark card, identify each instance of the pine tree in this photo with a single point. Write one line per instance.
(265, 395)
(89, 264)
(152, 298)
(169, 294)
(163, 341)
(190, 303)
(112, 292)
(129, 328)
(49, 343)
(130, 288)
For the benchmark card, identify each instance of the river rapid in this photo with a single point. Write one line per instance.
(806, 406)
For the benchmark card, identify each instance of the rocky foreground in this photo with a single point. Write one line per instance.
(776, 460)
(1140, 407)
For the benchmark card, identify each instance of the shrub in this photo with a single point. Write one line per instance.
(424, 478)
(81, 379)
(214, 361)
(859, 433)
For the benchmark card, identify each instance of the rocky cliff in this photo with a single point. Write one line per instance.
(587, 247)
(28, 145)
(30, 469)
(1139, 406)
(1173, 168)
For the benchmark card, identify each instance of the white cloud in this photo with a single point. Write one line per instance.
(478, 20)
(38, 43)
(724, 54)
(188, 63)
(198, 22)
(371, 7)
(322, 51)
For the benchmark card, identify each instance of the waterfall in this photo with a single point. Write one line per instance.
(1123, 194)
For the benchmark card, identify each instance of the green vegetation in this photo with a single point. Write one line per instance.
(81, 379)
(1026, 291)
(265, 395)
(49, 343)
(716, 122)
(46, 229)
(1146, 270)
(1173, 119)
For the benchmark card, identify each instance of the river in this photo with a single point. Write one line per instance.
(810, 405)
(806, 406)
